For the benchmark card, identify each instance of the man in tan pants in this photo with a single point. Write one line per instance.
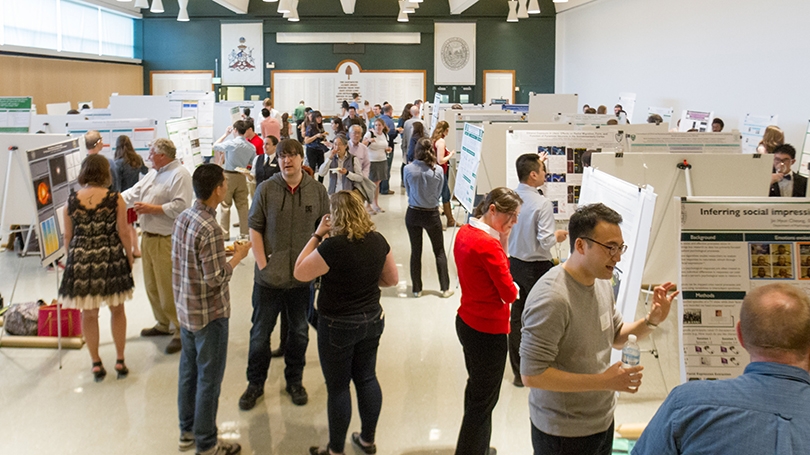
(238, 153)
(158, 198)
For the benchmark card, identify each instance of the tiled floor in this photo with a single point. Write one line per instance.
(48, 410)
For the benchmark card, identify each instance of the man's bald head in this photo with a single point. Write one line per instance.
(93, 142)
(415, 110)
(775, 322)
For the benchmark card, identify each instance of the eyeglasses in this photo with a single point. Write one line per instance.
(782, 160)
(613, 250)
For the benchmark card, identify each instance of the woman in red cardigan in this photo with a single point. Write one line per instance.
(482, 323)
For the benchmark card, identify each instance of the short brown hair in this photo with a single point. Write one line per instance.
(95, 171)
(775, 319)
(289, 147)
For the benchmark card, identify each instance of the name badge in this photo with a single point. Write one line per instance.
(605, 321)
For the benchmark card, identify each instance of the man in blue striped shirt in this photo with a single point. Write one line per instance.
(764, 411)
(200, 275)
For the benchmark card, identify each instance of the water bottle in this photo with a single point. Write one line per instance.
(631, 354)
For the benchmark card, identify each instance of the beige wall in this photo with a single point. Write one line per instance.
(51, 80)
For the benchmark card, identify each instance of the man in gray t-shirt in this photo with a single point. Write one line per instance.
(570, 323)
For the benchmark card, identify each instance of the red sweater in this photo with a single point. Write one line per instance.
(487, 288)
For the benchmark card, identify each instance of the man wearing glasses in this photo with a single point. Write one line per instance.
(570, 324)
(785, 182)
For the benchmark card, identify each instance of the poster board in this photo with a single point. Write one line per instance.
(15, 114)
(628, 103)
(698, 120)
(156, 107)
(54, 170)
(141, 131)
(665, 142)
(636, 205)
(58, 108)
(467, 175)
(325, 90)
(165, 82)
(495, 167)
(544, 106)
(459, 118)
(19, 207)
(664, 112)
(564, 163)
(753, 128)
(185, 135)
(434, 111)
(583, 119)
(199, 105)
(804, 159)
(661, 170)
(727, 247)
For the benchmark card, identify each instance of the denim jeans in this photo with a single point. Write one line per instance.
(384, 185)
(445, 190)
(431, 222)
(202, 365)
(347, 349)
(485, 358)
(267, 304)
(596, 444)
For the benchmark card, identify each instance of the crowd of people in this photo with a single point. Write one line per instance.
(309, 227)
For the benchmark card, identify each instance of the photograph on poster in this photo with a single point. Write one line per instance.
(42, 189)
(58, 170)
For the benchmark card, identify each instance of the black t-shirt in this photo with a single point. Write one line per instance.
(352, 284)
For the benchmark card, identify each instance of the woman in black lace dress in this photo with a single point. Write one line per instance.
(98, 271)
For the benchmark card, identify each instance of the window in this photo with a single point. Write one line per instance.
(66, 26)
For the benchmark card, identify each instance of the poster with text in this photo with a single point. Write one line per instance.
(467, 175)
(664, 112)
(454, 53)
(199, 105)
(700, 121)
(628, 103)
(684, 142)
(729, 246)
(242, 49)
(54, 170)
(753, 127)
(564, 150)
(15, 114)
(141, 133)
(804, 159)
(184, 133)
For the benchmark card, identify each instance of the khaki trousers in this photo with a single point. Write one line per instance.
(237, 194)
(157, 277)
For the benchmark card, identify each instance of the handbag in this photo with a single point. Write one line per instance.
(71, 321)
(21, 318)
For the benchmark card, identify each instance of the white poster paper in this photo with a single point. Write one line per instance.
(727, 248)
(185, 135)
(583, 119)
(467, 175)
(242, 49)
(664, 112)
(199, 105)
(564, 164)
(696, 120)
(804, 160)
(15, 114)
(753, 127)
(454, 53)
(628, 104)
(141, 133)
(434, 117)
(684, 142)
(636, 206)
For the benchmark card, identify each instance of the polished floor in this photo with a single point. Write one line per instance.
(45, 409)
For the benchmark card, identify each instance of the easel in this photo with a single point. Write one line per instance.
(15, 152)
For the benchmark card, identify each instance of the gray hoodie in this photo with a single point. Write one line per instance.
(287, 221)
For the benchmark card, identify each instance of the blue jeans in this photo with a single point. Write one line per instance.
(347, 349)
(267, 304)
(445, 191)
(384, 186)
(202, 365)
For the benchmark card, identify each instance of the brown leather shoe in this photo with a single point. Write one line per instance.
(154, 332)
(174, 346)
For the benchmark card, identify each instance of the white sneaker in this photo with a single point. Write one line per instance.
(186, 441)
(446, 294)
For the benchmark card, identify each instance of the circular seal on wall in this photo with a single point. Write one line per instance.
(455, 53)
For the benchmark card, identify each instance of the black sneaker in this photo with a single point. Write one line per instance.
(298, 394)
(248, 399)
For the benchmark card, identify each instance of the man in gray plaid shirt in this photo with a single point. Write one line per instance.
(200, 275)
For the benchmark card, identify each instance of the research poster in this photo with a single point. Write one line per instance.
(684, 142)
(434, 114)
(564, 150)
(467, 175)
(583, 119)
(199, 105)
(54, 170)
(804, 160)
(753, 127)
(664, 112)
(141, 133)
(15, 114)
(727, 248)
(696, 120)
(184, 133)
(628, 103)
